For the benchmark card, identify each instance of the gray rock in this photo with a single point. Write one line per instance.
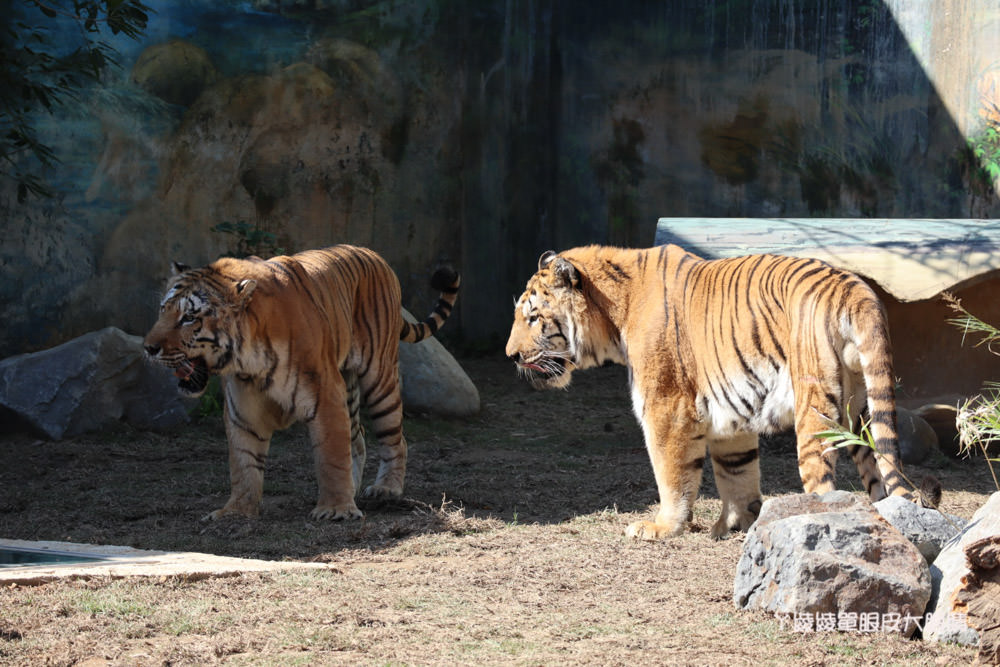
(833, 558)
(916, 437)
(941, 418)
(928, 529)
(946, 622)
(104, 377)
(89, 382)
(433, 381)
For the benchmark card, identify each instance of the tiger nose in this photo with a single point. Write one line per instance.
(152, 350)
(511, 347)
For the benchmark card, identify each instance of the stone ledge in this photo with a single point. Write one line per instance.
(128, 562)
(911, 259)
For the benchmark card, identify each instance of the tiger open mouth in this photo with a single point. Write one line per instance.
(543, 369)
(192, 375)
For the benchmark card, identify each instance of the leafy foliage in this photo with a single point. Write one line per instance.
(978, 418)
(970, 324)
(840, 437)
(41, 70)
(251, 239)
(985, 147)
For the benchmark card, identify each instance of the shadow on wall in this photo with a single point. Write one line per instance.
(482, 134)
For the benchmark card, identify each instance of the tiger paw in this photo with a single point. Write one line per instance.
(723, 527)
(232, 510)
(736, 520)
(647, 530)
(382, 491)
(338, 513)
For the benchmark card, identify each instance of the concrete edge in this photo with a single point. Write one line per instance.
(119, 562)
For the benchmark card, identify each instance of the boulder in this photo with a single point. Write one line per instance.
(941, 418)
(916, 437)
(103, 377)
(928, 529)
(980, 594)
(87, 383)
(433, 381)
(949, 573)
(834, 563)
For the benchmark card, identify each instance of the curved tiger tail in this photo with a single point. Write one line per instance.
(446, 280)
(871, 337)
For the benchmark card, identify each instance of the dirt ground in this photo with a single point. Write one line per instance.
(508, 548)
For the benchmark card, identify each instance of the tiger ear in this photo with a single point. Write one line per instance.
(176, 268)
(546, 257)
(244, 289)
(565, 272)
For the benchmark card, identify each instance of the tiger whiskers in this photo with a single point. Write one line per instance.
(548, 363)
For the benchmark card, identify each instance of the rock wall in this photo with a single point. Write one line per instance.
(482, 134)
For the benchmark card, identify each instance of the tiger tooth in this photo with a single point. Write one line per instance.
(184, 370)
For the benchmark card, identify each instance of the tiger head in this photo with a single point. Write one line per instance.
(195, 333)
(545, 337)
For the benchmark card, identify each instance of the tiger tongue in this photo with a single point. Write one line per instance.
(184, 371)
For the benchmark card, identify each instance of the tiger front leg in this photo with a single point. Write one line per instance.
(736, 465)
(250, 418)
(678, 456)
(330, 432)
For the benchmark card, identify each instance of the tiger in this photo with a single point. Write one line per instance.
(309, 337)
(718, 351)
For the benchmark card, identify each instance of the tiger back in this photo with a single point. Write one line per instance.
(718, 352)
(310, 337)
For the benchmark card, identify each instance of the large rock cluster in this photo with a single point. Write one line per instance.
(834, 561)
(87, 383)
(950, 575)
(839, 563)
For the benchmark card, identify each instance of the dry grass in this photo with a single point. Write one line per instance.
(508, 549)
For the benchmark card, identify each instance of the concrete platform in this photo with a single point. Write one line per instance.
(912, 259)
(909, 263)
(118, 562)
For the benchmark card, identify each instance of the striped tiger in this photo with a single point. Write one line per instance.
(308, 337)
(718, 351)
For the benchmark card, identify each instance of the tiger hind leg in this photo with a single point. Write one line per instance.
(736, 465)
(927, 495)
(330, 432)
(380, 391)
(357, 430)
(817, 406)
(864, 459)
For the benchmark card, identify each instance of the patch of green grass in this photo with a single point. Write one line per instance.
(110, 602)
(487, 649)
(193, 618)
(844, 649)
(606, 515)
(720, 620)
(768, 631)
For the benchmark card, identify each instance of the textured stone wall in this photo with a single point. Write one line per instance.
(481, 134)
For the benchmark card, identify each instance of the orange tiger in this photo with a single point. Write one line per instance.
(304, 337)
(718, 351)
